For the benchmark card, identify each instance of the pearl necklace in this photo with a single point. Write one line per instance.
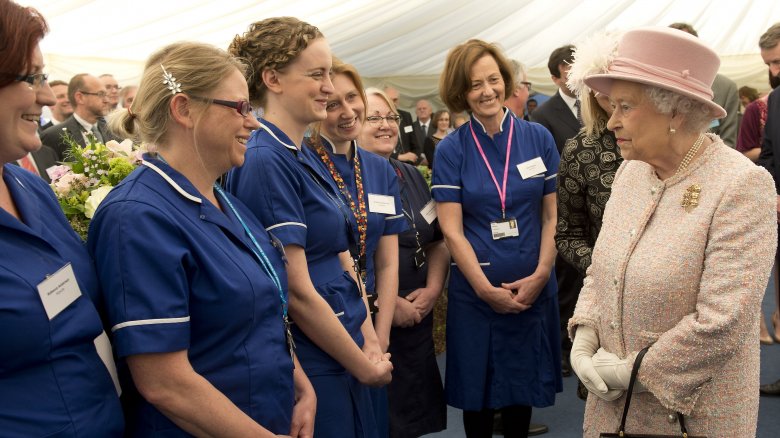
(689, 156)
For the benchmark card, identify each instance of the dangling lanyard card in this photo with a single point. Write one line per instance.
(504, 228)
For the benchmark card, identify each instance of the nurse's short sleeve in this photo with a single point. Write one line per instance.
(394, 223)
(551, 160)
(269, 185)
(447, 181)
(144, 268)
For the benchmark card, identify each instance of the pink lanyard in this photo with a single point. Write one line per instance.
(501, 190)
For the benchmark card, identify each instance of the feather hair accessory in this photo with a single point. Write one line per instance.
(592, 56)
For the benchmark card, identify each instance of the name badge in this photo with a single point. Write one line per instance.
(531, 168)
(408, 128)
(103, 347)
(504, 228)
(381, 204)
(429, 212)
(58, 291)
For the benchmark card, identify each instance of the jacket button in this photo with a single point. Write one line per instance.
(687, 399)
(203, 216)
(615, 281)
(653, 190)
(613, 324)
(672, 418)
(632, 233)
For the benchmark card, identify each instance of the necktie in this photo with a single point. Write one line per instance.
(579, 112)
(26, 163)
(96, 133)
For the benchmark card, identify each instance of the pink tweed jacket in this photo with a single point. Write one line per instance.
(688, 282)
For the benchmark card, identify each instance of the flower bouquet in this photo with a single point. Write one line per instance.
(426, 173)
(82, 183)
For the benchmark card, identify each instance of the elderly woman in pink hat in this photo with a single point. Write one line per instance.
(683, 257)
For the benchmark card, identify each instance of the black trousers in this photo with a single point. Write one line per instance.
(515, 419)
(569, 285)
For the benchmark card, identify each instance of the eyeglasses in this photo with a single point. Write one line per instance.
(242, 106)
(376, 121)
(99, 94)
(35, 79)
(113, 87)
(527, 85)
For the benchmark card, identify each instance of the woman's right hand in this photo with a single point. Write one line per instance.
(500, 300)
(379, 374)
(584, 347)
(406, 314)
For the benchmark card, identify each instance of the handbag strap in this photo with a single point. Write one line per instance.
(634, 372)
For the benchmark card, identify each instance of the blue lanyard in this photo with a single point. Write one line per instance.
(257, 251)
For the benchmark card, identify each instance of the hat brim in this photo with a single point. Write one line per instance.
(603, 84)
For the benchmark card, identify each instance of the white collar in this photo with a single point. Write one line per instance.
(500, 126)
(84, 124)
(570, 101)
(170, 181)
(270, 131)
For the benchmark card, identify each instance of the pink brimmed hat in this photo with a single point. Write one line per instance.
(666, 58)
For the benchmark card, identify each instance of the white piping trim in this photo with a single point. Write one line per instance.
(551, 176)
(267, 129)
(481, 264)
(122, 325)
(283, 224)
(387, 218)
(172, 182)
(443, 186)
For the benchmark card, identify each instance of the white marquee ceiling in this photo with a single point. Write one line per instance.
(403, 43)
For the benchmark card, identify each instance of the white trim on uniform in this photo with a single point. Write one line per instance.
(122, 325)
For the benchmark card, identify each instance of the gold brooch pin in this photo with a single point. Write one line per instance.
(691, 197)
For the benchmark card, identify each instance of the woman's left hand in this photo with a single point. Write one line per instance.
(373, 351)
(423, 299)
(527, 289)
(305, 408)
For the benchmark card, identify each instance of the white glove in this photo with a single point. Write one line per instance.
(586, 342)
(615, 372)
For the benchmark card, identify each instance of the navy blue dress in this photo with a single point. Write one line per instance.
(52, 381)
(496, 360)
(179, 274)
(291, 194)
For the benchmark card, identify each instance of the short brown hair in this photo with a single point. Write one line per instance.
(561, 55)
(76, 84)
(455, 81)
(20, 31)
(272, 43)
(57, 82)
(685, 27)
(770, 38)
(348, 70)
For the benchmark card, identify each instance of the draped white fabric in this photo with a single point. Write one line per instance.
(400, 43)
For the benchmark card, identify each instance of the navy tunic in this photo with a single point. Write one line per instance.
(299, 203)
(52, 381)
(179, 274)
(496, 360)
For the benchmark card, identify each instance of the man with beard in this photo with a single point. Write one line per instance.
(770, 53)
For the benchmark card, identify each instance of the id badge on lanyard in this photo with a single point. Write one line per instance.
(505, 227)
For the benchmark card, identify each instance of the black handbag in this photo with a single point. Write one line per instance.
(621, 433)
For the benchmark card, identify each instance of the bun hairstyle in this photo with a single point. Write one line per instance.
(198, 68)
(272, 43)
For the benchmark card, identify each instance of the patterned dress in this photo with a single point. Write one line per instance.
(585, 175)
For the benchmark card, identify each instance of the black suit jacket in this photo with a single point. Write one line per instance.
(422, 135)
(556, 116)
(407, 141)
(770, 155)
(53, 136)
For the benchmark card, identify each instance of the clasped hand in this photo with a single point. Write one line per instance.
(514, 297)
(583, 351)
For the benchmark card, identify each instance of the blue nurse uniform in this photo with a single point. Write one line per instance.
(299, 204)
(496, 360)
(179, 274)
(52, 381)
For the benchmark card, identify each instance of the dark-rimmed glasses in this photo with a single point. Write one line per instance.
(376, 121)
(35, 79)
(242, 106)
(99, 94)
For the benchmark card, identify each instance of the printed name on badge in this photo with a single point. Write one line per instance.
(504, 228)
(429, 212)
(381, 204)
(408, 128)
(58, 291)
(531, 168)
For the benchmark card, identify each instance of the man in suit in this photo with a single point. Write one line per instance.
(770, 149)
(61, 110)
(422, 126)
(407, 150)
(725, 94)
(560, 116)
(517, 100)
(112, 88)
(90, 104)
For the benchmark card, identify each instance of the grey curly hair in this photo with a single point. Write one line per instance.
(697, 113)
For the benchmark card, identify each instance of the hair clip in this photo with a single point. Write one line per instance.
(170, 81)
